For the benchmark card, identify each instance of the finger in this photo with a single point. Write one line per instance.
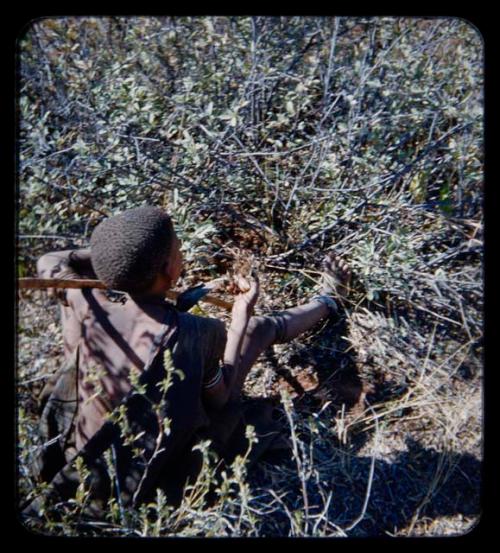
(242, 283)
(254, 284)
(253, 277)
(329, 261)
(346, 269)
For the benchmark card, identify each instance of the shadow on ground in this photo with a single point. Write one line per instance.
(324, 370)
(418, 482)
(405, 486)
(401, 490)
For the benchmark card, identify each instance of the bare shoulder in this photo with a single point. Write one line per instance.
(208, 330)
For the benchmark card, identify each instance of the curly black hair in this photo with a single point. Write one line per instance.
(128, 250)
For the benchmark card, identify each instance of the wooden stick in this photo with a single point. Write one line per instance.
(43, 283)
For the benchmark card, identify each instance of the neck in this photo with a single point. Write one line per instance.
(150, 297)
(158, 291)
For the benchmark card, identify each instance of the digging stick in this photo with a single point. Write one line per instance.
(43, 283)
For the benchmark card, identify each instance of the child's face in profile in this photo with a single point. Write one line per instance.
(176, 260)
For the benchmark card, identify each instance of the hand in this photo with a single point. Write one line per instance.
(249, 292)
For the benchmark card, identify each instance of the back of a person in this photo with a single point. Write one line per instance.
(118, 337)
(115, 338)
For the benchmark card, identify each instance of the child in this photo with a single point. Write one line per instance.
(138, 252)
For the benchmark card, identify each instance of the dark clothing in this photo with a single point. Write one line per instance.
(106, 405)
(114, 340)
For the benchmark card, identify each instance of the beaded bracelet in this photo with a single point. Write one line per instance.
(329, 302)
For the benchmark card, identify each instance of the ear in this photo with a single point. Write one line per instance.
(166, 269)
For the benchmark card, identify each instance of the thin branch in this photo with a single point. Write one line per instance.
(370, 478)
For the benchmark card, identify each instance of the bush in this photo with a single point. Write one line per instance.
(285, 137)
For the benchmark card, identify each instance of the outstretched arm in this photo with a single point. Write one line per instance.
(218, 395)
